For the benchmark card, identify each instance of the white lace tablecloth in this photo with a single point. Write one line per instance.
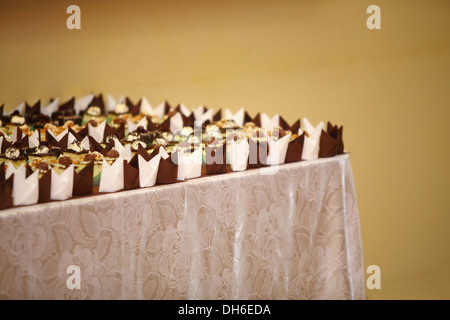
(250, 235)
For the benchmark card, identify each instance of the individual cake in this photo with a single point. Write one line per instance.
(215, 156)
(258, 149)
(140, 134)
(63, 163)
(40, 164)
(44, 152)
(14, 155)
(97, 159)
(136, 144)
(112, 155)
(120, 110)
(95, 110)
(76, 151)
(183, 134)
(15, 120)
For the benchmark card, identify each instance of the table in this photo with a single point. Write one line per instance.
(294, 234)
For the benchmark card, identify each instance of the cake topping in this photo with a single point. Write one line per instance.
(42, 166)
(161, 142)
(119, 121)
(17, 119)
(140, 129)
(76, 146)
(212, 126)
(136, 143)
(121, 108)
(186, 131)
(65, 160)
(133, 136)
(90, 157)
(113, 153)
(167, 135)
(12, 153)
(193, 139)
(94, 111)
(229, 124)
(109, 138)
(42, 149)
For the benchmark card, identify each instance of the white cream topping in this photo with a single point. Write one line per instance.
(121, 108)
(42, 149)
(94, 111)
(135, 145)
(76, 146)
(18, 120)
(12, 153)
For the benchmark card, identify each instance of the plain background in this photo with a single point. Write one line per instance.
(389, 88)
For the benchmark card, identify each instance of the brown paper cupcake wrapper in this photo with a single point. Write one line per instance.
(68, 106)
(336, 132)
(283, 124)
(294, 128)
(165, 126)
(295, 149)
(83, 133)
(218, 115)
(95, 146)
(83, 181)
(258, 152)
(167, 171)
(2, 172)
(134, 109)
(212, 167)
(5, 145)
(32, 110)
(151, 126)
(247, 117)
(143, 153)
(45, 187)
(98, 102)
(328, 146)
(131, 176)
(257, 120)
(62, 144)
(75, 134)
(6, 187)
(188, 121)
(111, 131)
(167, 107)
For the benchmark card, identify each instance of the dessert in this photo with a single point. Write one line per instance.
(43, 142)
(44, 152)
(14, 155)
(76, 151)
(95, 110)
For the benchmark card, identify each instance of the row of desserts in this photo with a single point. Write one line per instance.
(77, 149)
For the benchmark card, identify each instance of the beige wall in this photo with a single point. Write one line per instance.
(389, 88)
